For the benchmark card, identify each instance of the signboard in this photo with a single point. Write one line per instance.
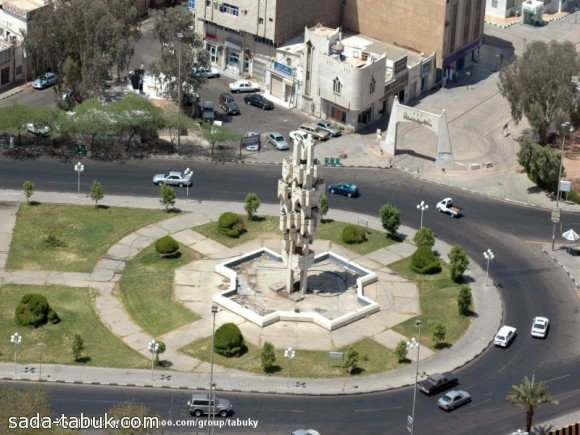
(555, 215)
(396, 85)
(565, 186)
(400, 65)
(283, 68)
(335, 355)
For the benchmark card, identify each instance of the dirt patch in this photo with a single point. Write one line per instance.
(571, 158)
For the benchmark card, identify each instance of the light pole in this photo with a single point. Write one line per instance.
(179, 36)
(488, 255)
(414, 344)
(16, 339)
(212, 385)
(566, 126)
(79, 167)
(289, 354)
(422, 207)
(187, 174)
(154, 349)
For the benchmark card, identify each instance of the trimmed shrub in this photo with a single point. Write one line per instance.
(167, 247)
(231, 225)
(424, 236)
(353, 234)
(424, 261)
(33, 310)
(228, 340)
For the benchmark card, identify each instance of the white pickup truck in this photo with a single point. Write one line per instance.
(446, 206)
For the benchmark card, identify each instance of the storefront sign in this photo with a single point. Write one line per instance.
(13, 10)
(400, 65)
(211, 38)
(396, 85)
(283, 68)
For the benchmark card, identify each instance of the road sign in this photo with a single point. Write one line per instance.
(555, 215)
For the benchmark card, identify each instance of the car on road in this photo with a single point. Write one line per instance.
(327, 126)
(540, 327)
(251, 141)
(344, 188)
(278, 141)
(259, 101)
(504, 336)
(298, 135)
(173, 178)
(44, 80)
(437, 383)
(208, 73)
(305, 432)
(316, 132)
(228, 104)
(34, 128)
(446, 206)
(244, 86)
(453, 399)
(200, 404)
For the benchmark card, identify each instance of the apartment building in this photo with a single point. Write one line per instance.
(530, 11)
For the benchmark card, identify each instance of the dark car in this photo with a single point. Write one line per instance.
(344, 188)
(207, 112)
(436, 383)
(228, 104)
(259, 101)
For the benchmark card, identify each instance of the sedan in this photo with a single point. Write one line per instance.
(344, 188)
(44, 81)
(244, 86)
(453, 399)
(259, 101)
(251, 141)
(208, 72)
(327, 126)
(173, 178)
(540, 327)
(278, 141)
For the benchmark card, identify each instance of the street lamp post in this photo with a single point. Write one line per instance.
(187, 174)
(212, 385)
(566, 126)
(411, 345)
(179, 36)
(79, 167)
(422, 207)
(16, 339)
(154, 349)
(488, 255)
(289, 354)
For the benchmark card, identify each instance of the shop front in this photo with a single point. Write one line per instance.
(234, 55)
(460, 59)
(282, 82)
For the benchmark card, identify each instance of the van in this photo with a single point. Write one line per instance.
(316, 132)
(228, 104)
(200, 404)
(207, 112)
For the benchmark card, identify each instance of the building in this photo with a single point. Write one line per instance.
(530, 11)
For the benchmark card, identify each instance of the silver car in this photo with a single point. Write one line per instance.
(327, 126)
(200, 404)
(44, 81)
(278, 141)
(453, 399)
(173, 179)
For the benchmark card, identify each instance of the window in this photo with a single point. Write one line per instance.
(338, 114)
(208, 2)
(372, 86)
(336, 86)
(494, 3)
(191, 4)
(229, 9)
(260, 20)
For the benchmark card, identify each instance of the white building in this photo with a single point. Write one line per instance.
(531, 11)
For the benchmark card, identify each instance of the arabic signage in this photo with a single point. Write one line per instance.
(283, 68)
(396, 85)
(417, 118)
(400, 65)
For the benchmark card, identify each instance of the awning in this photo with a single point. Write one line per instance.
(233, 44)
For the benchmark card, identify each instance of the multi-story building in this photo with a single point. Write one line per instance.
(530, 11)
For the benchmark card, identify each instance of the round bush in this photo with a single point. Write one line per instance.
(231, 225)
(167, 246)
(353, 234)
(33, 310)
(228, 340)
(424, 261)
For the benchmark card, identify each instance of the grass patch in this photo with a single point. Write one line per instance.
(306, 364)
(438, 301)
(260, 226)
(146, 289)
(76, 310)
(71, 238)
(332, 230)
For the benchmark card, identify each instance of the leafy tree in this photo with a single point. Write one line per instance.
(217, 134)
(540, 163)
(78, 346)
(439, 334)
(529, 395)
(252, 204)
(424, 237)
(401, 351)
(458, 262)
(268, 357)
(160, 350)
(390, 218)
(97, 193)
(138, 411)
(538, 91)
(28, 190)
(464, 300)
(34, 310)
(351, 359)
(324, 206)
(167, 196)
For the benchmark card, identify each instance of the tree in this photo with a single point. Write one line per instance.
(78, 346)
(540, 163)
(424, 237)
(217, 134)
(268, 357)
(439, 334)
(97, 193)
(458, 262)
(28, 190)
(167, 196)
(129, 410)
(324, 206)
(351, 360)
(251, 205)
(529, 395)
(535, 90)
(464, 300)
(390, 218)
(401, 351)
(161, 348)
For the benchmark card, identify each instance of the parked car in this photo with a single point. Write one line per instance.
(540, 327)
(251, 141)
(37, 130)
(207, 112)
(200, 404)
(504, 336)
(453, 399)
(173, 178)
(327, 126)
(278, 141)
(344, 188)
(244, 86)
(259, 101)
(437, 383)
(228, 104)
(207, 72)
(44, 80)
(316, 132)
(298, 135)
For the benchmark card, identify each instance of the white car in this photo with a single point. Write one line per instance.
(453, 399)
(244, 86)
(208, 72)
(173, 178)
(298, 135)
(540, 327)
(37, 130)
(504, 336)
(44, 80)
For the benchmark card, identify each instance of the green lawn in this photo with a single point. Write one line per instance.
(332, 230)
(53, 343)
(146, 289)
(260, 226)
(71, 238)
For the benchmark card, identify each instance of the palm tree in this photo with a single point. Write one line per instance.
(529, 394)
